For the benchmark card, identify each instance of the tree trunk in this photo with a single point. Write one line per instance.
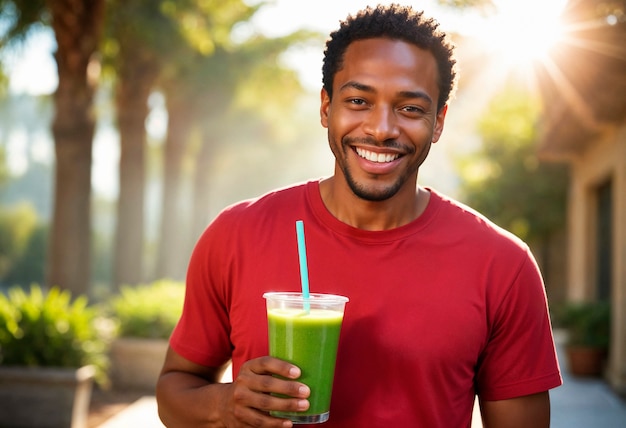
(172, 254)
(137, 75)
(77, 26)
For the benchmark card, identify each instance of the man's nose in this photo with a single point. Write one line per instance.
(382, 123)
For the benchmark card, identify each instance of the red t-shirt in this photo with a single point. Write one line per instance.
(443, 308)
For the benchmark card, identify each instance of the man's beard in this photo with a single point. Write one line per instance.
(372, 193)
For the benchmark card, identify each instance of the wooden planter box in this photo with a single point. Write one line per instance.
(136, 363)
(45, 397)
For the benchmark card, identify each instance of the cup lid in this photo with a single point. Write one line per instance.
(293, 296)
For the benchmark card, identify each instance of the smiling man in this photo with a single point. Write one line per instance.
(444, 305)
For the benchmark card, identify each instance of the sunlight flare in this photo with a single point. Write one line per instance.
(521, 33)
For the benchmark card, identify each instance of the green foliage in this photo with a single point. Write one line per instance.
(148, 310)
(19, 17)
(504, 179)
(30, 266)
(213, 72)
(587, 323)
(206, 24)
(49, 329)
(263, 84)
(17, 224)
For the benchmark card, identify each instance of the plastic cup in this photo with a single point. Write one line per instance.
(308, 339)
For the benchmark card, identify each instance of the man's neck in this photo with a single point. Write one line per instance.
(394, 212)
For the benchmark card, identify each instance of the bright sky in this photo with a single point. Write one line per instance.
(517, 32)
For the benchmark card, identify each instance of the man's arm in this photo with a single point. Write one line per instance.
(521, 412)
(188, 394)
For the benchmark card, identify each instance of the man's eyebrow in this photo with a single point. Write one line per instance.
(403, 94)
(416, 94)
(356, 85)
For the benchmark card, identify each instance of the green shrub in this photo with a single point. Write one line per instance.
(587, 323)
(148, 310)
(49, 329)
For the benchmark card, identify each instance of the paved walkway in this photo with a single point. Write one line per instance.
(585, 402)
(142, 413)
(578, 403)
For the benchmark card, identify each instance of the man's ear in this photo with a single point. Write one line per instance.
(439, 121)
(324, 107)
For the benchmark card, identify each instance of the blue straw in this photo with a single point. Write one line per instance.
(304, 271)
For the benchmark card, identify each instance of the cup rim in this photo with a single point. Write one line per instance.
(295, 296)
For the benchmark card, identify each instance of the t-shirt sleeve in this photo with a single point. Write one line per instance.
(202, 335)
(519, 357)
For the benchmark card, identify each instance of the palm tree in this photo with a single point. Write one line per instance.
(137, 29)
(77, 25)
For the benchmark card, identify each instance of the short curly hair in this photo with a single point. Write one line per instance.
(395, 22)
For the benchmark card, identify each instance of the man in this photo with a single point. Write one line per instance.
(444, 305)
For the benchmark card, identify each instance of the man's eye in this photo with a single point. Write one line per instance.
(413, 109)
(357, 101)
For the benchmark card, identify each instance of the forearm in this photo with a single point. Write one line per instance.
(186, 400)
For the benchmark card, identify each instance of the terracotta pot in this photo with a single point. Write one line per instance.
(41, 397)
(586, 361)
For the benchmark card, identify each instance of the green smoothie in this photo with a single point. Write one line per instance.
(310, 342)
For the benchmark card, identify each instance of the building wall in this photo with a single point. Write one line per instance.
(603, 158)
(552, 261)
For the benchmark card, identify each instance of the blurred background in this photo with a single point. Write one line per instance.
(126, 126)
(161, 113)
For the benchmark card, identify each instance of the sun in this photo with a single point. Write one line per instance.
(522, 32)
(508, 44)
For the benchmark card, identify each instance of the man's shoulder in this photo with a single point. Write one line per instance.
(249, 217)
(274, 199)
(467, 220)
(266, 207)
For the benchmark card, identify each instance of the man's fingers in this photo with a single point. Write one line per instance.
(265, 384)
(271, 365)
(255, 374)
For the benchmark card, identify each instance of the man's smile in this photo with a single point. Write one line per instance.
(376, 157)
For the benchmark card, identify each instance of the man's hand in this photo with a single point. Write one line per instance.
(249, 400)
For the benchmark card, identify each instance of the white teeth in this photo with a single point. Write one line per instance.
(376, 157)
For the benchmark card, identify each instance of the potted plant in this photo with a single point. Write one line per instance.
(145, 316)
(588, 326)
(51, 350)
